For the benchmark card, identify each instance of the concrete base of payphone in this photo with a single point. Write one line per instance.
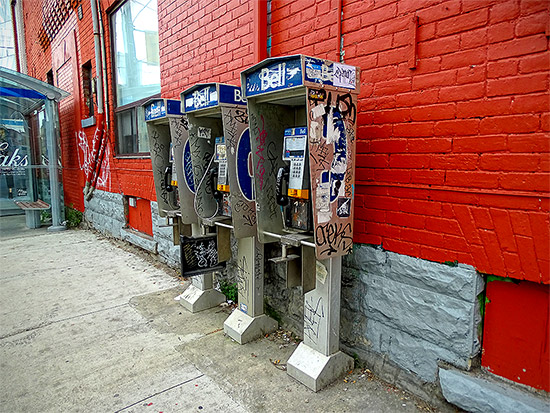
(242, 328)
(317, 361)
(316, 370)
(248, 322)
(200, 295)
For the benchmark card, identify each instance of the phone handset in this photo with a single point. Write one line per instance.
(168, 179)
(214, 183)
(282, 175)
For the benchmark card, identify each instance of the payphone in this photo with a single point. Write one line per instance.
(303, 113)
(167, 133)
(224, 200)
(220, 180)
(173, 174)
(295, 197)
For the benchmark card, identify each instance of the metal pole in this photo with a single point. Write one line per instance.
(51, 141)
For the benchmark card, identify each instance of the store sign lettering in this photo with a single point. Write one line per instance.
(13, 160)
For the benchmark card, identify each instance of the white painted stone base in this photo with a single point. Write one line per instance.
(194, 299)
(316, 370)
(56, 228)
(481, 395)
(242, 328)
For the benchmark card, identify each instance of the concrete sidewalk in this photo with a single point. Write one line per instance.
(87, 324)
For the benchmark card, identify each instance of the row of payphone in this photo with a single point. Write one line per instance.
(272, 161)
(292, 187)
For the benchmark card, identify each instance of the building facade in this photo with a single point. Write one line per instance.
(451, 259)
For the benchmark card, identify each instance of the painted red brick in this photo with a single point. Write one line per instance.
(517, 47)
(402, 247)
(526, 182)
(480, 259)
(413, 99)
(483, 107)
(487, 144)
(438, 79)
(503, 11)
(463, 22)
(535, 63)
(503, 228)
(509, 124)
(455, 161)
(430, 145)
(406, 220)
(471, 74)
(394, 25)
(509, 319)
(500, 32)
(409, 161)
(513, 265)
(532, 24)
(433, 112)
(502, 68)
(446, 226)
(492, 251)
(439, 46)
(528, 7)
(413, 129)
(462, 92)
(528, 258)
(389, 145)
(457, 127)
(473, 38)
(472, 179)
(520, 223)
(439, 11)
(510, 162)
(518, 85)
(540, 228)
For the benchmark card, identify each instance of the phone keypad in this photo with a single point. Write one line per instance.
(296, 169)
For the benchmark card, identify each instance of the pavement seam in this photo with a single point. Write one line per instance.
(49, 323)
(160, 392)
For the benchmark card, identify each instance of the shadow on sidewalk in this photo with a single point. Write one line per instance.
(13, 226)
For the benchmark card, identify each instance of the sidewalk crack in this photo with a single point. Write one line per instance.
(160, 392)
(49, 323)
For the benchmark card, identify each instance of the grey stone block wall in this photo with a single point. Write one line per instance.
(483, 395)
(412, 311)
(105, 212)
(400, 315)
(143, 241)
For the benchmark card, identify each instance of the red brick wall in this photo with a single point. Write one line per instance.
(515, 337)
(453, 156)
(305, 27)
(39, 62)
(204, 41)
(139, 216)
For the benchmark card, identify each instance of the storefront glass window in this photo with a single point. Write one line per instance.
(136, 56)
